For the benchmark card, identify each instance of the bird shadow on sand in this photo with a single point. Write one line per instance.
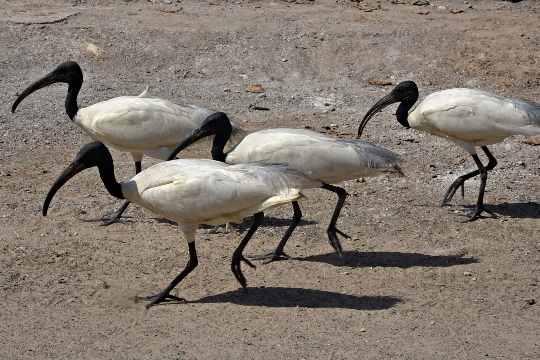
(282, 297)
(359, 259)
(525, 210)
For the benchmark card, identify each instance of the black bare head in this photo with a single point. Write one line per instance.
(68, 72)
(406, 93)
(94, 154)
(217, 124)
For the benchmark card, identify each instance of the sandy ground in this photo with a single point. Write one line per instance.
(417, 283)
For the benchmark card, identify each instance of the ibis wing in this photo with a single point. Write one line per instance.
(315, 155)
(475, 116)
(134, 123)
(205, 191)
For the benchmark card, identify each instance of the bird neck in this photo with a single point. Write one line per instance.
(223, 134)
(402, 113)
(106, 173)
(219, 145)
(71, 98)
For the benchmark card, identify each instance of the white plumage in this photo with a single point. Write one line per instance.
(141, 125)
(193, 192)
(205, 191)
(468, 117)
(136, 124)
(474, 118)
(320, 157)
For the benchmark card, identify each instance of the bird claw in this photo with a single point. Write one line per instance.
(342, 233)
(159, 298)
(242, 258)
(478, 214)
(271, 257)
(334, 240)
(236, 269)
(110, 221)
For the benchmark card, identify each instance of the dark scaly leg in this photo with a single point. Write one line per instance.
(238, 256)
(460, 181)
(483, 179)
(332, 230)
(492, 161)
(164, 295)
(118, 213)
(278, 253)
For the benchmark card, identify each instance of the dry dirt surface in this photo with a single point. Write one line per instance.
(416, 282)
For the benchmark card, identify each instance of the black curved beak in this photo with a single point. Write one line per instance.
(47, 80)
(195, 136)
(73, 169)
(379, 105)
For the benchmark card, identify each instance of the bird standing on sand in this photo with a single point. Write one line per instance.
(320, 157)
(193, 192)
(470, 118)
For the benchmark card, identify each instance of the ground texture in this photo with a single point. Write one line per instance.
(416, 282)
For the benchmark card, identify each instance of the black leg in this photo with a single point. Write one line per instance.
(118, 213)
(332, 230)
(238, 256)
(492, 161)
(483, 179)
(164, 295)
(278, 253)
(459, 182)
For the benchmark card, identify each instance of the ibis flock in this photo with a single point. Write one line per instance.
(265, 168)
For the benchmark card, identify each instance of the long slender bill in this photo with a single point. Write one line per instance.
(379, 105)
(73, 169)
(47, 80)
(195, 136)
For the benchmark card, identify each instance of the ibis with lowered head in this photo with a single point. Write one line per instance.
(193, 192)
(318, 156)
(468, 117)
(140, 125)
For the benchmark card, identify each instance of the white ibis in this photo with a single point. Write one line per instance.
(193, 192)
(467, 117)
(320, 157)
(135, 124)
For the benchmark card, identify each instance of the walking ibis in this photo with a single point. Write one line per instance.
(193, 192)
(470, 118)
(320, 157)
(136, 124)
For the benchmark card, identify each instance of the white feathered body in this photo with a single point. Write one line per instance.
(192, 191)
(141, 124)
(475, 117)
(318, 156)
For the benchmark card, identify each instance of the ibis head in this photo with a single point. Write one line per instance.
(217, 124)
(94, 154)
(406, 93)
(68, 72)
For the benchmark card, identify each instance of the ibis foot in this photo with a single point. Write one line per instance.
(478, 214)
(456, 185)
(160, 298)
(115, 217)
(332, 232)
(271, 257)
(237, 271)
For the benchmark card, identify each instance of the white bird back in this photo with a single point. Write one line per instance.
(135, 124)
(315, 155)
(211, 192)
(475, 116)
